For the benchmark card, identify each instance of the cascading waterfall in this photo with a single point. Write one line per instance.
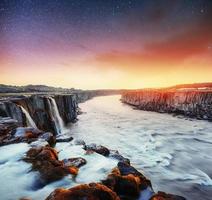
(59, 124)
(29, 119)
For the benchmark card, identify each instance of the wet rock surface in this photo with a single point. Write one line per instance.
(92, 191)
(45, 160)
(64, 139)
(29, 135)
(126, 181)
(98, 149)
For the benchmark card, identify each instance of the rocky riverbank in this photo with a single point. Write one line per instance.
(124, 182)
(195, 104)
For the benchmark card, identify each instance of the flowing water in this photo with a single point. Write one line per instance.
(59, 124)
(29, 119)
(173, 152)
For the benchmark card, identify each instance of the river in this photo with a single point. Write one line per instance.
(174, 152)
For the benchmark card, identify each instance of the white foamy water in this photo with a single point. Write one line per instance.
(29, 119)
(58, 121)
(174, 152)
(18, 181)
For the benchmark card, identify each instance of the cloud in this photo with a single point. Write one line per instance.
(191, 41)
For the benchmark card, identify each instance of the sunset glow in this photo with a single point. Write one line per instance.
(105, 44)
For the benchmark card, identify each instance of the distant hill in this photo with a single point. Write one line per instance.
(32, 88)
(44, 88)
(193, 86)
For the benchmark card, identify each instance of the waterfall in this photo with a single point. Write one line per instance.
(60, 127)
(29, 119)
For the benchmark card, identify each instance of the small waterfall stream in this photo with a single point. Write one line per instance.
(59, 124)
(29, 119)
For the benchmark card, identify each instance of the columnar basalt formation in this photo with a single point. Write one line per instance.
(196, 104)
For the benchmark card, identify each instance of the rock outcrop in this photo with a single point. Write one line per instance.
(97, 148)
(45, 160)
(92, 191)
(39, 109)
(196, 104)
(127, 182)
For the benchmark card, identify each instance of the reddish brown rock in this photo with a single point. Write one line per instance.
(45, 160)
(125, 180)
(164, 196)
(92, 191)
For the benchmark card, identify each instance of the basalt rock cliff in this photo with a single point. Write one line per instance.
(196, 104)
(40, 109)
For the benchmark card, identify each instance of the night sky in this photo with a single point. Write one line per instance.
(93, 44)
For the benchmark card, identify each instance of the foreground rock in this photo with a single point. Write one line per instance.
(45, 160)
(126, 181)
(98, 149)
(92, 191)
(64, 139)
(28, 135)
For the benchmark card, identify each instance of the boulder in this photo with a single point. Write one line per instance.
(22, 134)
(64, 139)
(92, 191)
(74, 162)
(45, 160)
(164, 196)
(126, 181)
(98, 149)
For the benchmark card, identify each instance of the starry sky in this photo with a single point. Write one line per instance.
(95, 44)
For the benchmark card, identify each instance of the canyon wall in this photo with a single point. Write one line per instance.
(196, 104)
(41, 110)
(47, 112)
